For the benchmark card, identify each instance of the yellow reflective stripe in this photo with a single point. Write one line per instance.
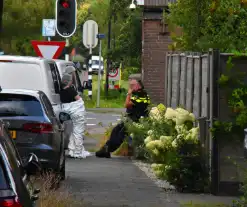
(144, 101)
(140, 99)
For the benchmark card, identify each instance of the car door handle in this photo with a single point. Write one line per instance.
(61, 129)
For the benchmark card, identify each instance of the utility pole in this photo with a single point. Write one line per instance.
(1, 14)
(108, 49)
(100, 37)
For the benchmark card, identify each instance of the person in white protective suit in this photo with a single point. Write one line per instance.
(71, 70)
(74, 105)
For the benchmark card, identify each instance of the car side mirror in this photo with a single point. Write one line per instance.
(64, 117)
(33, 166)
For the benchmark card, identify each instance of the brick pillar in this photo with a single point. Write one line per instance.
(154, 48)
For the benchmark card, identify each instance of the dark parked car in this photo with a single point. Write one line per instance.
(34, 127)
(16, 190)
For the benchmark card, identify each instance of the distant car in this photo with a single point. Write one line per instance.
(95, 64)
(34, 127)
(16, 190)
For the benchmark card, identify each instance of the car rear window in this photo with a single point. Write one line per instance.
(19, 105)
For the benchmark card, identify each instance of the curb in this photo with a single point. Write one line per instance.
(106, 110)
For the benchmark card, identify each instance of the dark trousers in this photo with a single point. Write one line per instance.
(117, 137)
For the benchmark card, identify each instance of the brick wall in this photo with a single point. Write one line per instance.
(154, 48)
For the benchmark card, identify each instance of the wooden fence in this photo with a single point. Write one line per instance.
(192, 82)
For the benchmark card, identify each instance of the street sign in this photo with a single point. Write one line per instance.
(100, 36)
(46, 49)
(90, 31)
(48, 27)
(114, 74)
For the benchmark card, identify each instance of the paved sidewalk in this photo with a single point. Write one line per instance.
(112, 182)
(117, 182)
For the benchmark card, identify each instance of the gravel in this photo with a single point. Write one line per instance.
(146, 168)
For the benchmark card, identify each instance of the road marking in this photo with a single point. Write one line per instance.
(116, 115)
(91, 124)
(90, 118)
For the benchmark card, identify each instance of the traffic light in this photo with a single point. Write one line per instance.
(66, 17)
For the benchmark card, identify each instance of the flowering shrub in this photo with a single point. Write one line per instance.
(169, 140)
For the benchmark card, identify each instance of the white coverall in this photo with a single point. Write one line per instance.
(76, 110)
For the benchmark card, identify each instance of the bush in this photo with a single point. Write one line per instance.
(168, 139)
(128, 71)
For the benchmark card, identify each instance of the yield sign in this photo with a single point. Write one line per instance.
(48, 49)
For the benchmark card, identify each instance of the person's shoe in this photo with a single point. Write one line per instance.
(103, 153)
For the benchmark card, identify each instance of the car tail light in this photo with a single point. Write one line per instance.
(38, 127)
(10, 202)
(6, 61)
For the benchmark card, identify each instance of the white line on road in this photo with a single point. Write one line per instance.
(116, 115)
(91, 124)
(90, 118)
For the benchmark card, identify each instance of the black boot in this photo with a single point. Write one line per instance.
(103, 152)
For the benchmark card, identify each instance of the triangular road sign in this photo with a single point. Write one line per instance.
(48, 49)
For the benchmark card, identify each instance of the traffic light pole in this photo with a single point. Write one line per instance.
(67, 49)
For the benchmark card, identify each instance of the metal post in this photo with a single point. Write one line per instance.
(108, 58)
(49, 39)
(99, 74)
(90, 76)
(214, 113)
(67, 49)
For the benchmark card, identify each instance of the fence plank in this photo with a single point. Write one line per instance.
(174, 77)
(208, 84)
(178, 81)
(166, 77)
(205, 85)
(169, 94)
(192, 83)
(185, 82)
(200, 88)
(182, 80)
(189, 84)
(196, 90)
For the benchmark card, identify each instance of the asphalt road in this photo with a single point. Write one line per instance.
(104, 119)
(97, 122)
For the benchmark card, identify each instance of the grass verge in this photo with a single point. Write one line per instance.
(194, 204)
(50, 197)
(115, 98)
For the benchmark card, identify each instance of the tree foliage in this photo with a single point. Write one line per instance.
(125, 30)
(209, 24)
(22, 22)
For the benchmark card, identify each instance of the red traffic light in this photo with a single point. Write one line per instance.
(65, 4)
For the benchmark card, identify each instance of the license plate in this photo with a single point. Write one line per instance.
(13, 134)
